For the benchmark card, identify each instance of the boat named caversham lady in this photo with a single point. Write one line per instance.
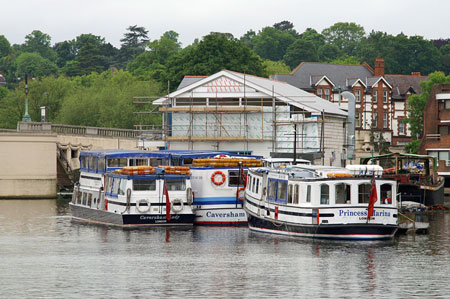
(131, 196)
(322, 202)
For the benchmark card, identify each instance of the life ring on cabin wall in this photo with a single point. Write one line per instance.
(140, 207)
(240, 194)
(177, 205)
(213, 178)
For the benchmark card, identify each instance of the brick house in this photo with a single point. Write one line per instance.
(381, 99)
(436, 129)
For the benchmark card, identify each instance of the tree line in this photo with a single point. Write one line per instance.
(82, 67)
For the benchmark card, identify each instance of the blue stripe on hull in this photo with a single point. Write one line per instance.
(216, 200)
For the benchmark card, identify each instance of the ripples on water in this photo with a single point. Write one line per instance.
(45, 255)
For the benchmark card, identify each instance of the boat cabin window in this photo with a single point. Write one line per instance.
(158, 161)
(233, 177)
(282, 190)
(342, 193)
(144, 185)
(109, 185)
(92, 163)
(272, 192)
(324, 194)
(253, 184)
(386, 194)
(89, 200)
(290, 194)
(101, 164)
(176, 185)
(308, 193)
(122, 187)
(83, 162)
(79, 197)
(257, 186)
(84, 198)
(117, 162)
(296, 195)
(363, 193)
(116, 186)
(138, 162)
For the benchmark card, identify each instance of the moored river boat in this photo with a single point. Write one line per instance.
(321, 202)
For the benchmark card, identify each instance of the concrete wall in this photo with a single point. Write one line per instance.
(28, 165)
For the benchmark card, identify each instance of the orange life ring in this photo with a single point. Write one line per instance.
(213, 178)
(238, 193)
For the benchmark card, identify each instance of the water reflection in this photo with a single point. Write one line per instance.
(56, 258)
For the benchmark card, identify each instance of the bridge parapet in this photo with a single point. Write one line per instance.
(84, 131)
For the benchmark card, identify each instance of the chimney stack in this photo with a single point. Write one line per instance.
(379, 67)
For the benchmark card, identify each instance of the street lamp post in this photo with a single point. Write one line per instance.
(26, 117)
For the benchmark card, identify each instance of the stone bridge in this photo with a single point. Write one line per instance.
(38, 159)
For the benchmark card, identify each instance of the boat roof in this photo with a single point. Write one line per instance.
(365, 160)
(180, 154)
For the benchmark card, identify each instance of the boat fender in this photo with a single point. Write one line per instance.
(189, 196)
(141, 208)
(220, 182)
(240, 194)
(176, 205)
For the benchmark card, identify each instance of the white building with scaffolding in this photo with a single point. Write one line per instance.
(230, 111)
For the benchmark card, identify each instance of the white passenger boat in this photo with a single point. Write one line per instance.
(218, 185)
(322, 202)
(131, 196)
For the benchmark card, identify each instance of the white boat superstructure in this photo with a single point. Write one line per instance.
(135, 197)
(321, 202)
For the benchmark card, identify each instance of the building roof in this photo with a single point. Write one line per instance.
(337, 73)
(188, 80)
(280, 90)
(405, 83)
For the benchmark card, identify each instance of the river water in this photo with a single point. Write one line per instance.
(45, 255)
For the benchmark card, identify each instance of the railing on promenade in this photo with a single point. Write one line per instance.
(152, 132)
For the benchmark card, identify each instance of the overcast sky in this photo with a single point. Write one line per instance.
(66, 19)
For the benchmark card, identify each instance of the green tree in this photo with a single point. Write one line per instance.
(5, 46)
(346, 36)
(89, 59)
(133, 44)
(153, 64)
(271, 43)
(346, 60)
(106, 101)
(39, 42)
(275, 67)
(65, 51)
(283, 26)
(213, 54)
(35, 65)
(300, 51)
(328, 52)
(247, 38)
(312, 35)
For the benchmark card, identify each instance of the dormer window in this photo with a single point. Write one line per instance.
(319, 92)
(327, 94)
(357, 96)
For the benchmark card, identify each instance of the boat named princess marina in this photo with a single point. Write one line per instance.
(322, 202)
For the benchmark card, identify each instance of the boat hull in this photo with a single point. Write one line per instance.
(220, 215)
(86, 214)
(324, 231)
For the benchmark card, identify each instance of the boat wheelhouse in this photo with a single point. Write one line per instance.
(140, 196)
(320, 202)
(418, 180)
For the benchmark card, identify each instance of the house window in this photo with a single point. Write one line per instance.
(440, 155)
(374, 96)
(385, 120)
(357, 121)
(364, 193)
(447, 104)
(443, 130)
(357, 96)
(327, 94)
(375, 120)
(401, 127)
(319, 92)
(385, 97)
